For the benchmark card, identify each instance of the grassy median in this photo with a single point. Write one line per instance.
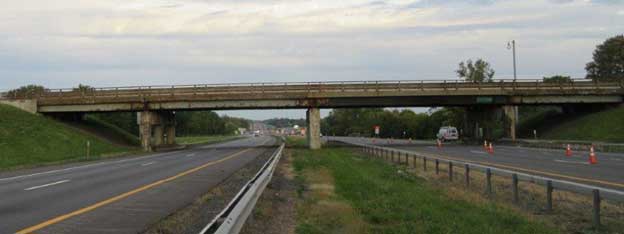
(344, 192)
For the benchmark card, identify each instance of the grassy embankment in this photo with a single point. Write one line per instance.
(607, 126)
(342, 192)
(30, 140)
(194, 140)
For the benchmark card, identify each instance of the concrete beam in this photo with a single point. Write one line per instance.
(314, 128)
(335, 102)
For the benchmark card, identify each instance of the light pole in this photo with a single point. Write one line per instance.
(512, 45)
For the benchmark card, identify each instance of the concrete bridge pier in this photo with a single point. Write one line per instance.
(156, 129)
(313, 119)
(479, 122)
(510, 121)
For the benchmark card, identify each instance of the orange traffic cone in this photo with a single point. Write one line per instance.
(485, 146)
(491, 149)
(592, 156)
(439, 142)
(568, 151)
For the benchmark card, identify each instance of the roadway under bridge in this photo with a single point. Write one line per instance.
(156, 105)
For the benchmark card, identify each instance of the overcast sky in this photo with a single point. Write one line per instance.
(61, 43)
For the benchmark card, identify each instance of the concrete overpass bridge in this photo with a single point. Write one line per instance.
(156, 104)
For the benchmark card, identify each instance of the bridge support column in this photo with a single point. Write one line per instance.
(156, 129)
(314, 128)
(158, 135)
(146, 120)
(169, 123)
(511, 114)
(480, 121)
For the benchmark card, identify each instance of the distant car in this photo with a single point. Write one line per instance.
(448, 134)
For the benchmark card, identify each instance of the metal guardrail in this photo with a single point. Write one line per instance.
(598, 193)
(234, 215)
(319, 87)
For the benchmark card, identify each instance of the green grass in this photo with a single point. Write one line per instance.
(388, 201)
(27, 140)
(607, 126)
(204, 139)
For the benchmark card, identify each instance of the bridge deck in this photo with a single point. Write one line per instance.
(328, 94)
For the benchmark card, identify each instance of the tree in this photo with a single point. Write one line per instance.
(476, 72)
(608, 64)
(29, 91)
(557, 79)
(83, 88)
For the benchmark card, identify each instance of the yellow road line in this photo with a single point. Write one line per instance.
(124, 195)
(533, 171)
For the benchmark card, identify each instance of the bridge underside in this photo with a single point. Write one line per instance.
(347, 102)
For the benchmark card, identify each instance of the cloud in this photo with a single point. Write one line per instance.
(116, 42)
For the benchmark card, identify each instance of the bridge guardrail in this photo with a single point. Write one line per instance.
(598, 193)
(330, 86)
(233, 216)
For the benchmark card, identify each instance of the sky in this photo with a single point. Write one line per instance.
(63, 43)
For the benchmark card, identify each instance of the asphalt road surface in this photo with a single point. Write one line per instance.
(609, 172)
(121, 195)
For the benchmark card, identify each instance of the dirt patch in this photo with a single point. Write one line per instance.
(275, 211)
(197, 215)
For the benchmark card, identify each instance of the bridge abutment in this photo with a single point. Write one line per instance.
(314, 128)
(156, 129)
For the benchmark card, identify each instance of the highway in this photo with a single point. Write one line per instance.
(119, 195)
(547, 162)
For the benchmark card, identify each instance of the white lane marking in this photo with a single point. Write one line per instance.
(573, 162)
(190, 155)
(147, 164)
(46, 185)
(85, 166)
(477, 152)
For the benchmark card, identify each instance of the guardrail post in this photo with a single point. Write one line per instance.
(450, 171)
(596, 216)
(549, 190)
(425, 163)
(437, 163)
(514, 187)
(488, 181)
(406, 159)
(414, 161)
(467, 174)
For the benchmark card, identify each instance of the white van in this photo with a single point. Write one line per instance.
(448, 134)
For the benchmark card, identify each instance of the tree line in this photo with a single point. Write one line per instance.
(393, 123)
